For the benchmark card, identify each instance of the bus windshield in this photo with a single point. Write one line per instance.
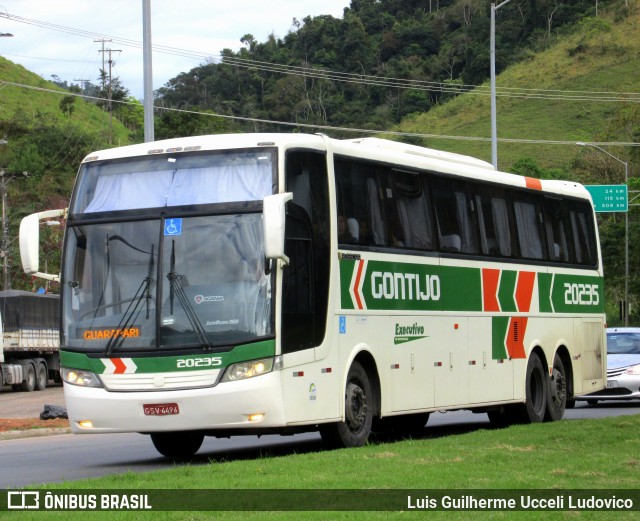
(154, 261)
(166, 284)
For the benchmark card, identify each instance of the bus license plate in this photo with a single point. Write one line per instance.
(160, 409)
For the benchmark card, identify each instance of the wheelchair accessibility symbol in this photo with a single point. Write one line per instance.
(173, 227)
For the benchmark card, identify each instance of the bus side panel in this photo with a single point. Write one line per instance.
(590, 370)
(311, 390)
(410, 373)
(491, 375)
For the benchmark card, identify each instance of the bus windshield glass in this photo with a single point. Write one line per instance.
(166, 284)
(171, 180)
(154, 261)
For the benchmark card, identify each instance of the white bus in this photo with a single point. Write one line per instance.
(281, 283)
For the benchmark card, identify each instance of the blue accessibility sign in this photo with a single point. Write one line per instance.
(173, 226)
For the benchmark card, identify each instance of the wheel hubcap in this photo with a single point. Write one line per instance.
(558, 387)
(356, 407)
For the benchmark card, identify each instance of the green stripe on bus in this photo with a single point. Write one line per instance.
(544, 292)
(421, 287)
(499, 327)
(506, 291)
(162, 364)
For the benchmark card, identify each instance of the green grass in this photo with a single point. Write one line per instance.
(577, 454)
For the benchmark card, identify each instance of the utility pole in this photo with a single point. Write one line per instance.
(102, 41)
(112, 64)
(83, 84)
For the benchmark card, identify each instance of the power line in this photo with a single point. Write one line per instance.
(369, 80)
(328, 127)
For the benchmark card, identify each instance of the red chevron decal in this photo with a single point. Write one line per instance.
(356, 289)
(515, 337)
(119, 364)
(490, 281)
(524, 290)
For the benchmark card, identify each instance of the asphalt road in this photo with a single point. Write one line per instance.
(28, 405)
(71, 457)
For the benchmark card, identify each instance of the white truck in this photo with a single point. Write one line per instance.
(29, 340)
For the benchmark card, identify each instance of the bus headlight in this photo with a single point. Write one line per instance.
(80, 377)
(249, 369)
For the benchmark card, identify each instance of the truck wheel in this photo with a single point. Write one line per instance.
(177, 445)
(29, 382)
(41, 377)
(358, 412)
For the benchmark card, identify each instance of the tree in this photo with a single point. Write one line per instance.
(67, 105)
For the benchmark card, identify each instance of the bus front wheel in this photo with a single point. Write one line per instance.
(354, 431)
(178, 445)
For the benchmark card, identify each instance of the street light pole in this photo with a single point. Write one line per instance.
(492, 56)
(625, 308)
(149, 132)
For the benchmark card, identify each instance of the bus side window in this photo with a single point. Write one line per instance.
(558, 229)
(584, 239)
(496, 228)
(455, 216)
(411, 224)
(360, 208)
(529, 226)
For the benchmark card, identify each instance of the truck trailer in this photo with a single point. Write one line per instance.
(29, 340)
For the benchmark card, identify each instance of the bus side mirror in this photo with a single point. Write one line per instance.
(273, 223)
(30, 242)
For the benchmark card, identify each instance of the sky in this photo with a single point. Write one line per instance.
(60, 37)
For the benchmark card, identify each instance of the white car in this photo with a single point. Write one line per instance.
(623, 366)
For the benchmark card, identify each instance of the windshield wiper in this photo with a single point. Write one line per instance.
(177, 289)
(143, 292)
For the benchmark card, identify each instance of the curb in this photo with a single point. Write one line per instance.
(33, 433)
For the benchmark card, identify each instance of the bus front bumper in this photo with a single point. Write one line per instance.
(253, 403)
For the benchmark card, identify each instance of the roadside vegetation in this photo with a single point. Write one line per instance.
(577, 454)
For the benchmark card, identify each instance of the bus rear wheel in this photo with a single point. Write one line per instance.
(537, 386)
(359, 405)
(178, 445)
(557, 395)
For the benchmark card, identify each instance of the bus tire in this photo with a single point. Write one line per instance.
(359, 405)
(557, 393)
(536, 389)
(177, 445)
(29, 382)
(42, 377)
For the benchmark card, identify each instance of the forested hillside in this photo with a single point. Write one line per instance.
(383, 60)
(45, 134)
